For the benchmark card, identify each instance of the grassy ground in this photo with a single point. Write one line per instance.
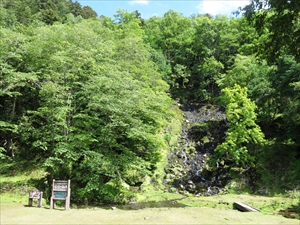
(168, 209)
(189, 210)
(19, 214)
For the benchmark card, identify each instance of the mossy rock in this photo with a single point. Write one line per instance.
(205, 139)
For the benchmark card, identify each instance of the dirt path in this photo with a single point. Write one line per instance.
(18, 214)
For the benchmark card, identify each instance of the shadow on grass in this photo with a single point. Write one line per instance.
(135, 206)
(292, 212)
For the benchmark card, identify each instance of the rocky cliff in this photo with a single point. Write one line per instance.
(188, 171)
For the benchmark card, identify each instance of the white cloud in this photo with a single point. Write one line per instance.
(140, 2)
(215, 7)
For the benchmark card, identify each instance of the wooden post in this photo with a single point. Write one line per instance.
(29, 200)
(52, 195)
(40, 201)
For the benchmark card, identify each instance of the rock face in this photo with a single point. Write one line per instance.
(204, 127)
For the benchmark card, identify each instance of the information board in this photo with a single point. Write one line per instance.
(61, 191)
(60, 195)
(61, 185)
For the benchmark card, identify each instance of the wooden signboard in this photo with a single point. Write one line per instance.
(35, 195)
(61, 191)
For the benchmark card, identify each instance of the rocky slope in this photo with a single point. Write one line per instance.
(188, 170)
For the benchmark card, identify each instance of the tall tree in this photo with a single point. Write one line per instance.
(15, 86)
(281, 20)
(243, 137)
(100, 105)
(88, 12)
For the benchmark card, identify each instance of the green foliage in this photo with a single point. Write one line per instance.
(279, 162)
(28, 12)
(278, 167)
(88, 12)
(89, 99)
(7, 18)
(245, 70)
(197, 50)
(243, 137)
(101, 105)
(281, 21)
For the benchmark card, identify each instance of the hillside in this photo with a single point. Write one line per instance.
(125, 105)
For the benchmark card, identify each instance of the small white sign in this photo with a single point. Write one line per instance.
(60, 186)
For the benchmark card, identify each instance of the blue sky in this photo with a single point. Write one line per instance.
(149, 8)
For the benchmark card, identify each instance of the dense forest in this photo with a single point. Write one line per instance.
(95, 99)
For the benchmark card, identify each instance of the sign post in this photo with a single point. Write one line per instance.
(61, 191)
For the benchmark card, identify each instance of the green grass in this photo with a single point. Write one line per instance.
(151, 194)
(16, 184)
(16, 181)
(208, 210)
(19, 214)
(266, 205)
